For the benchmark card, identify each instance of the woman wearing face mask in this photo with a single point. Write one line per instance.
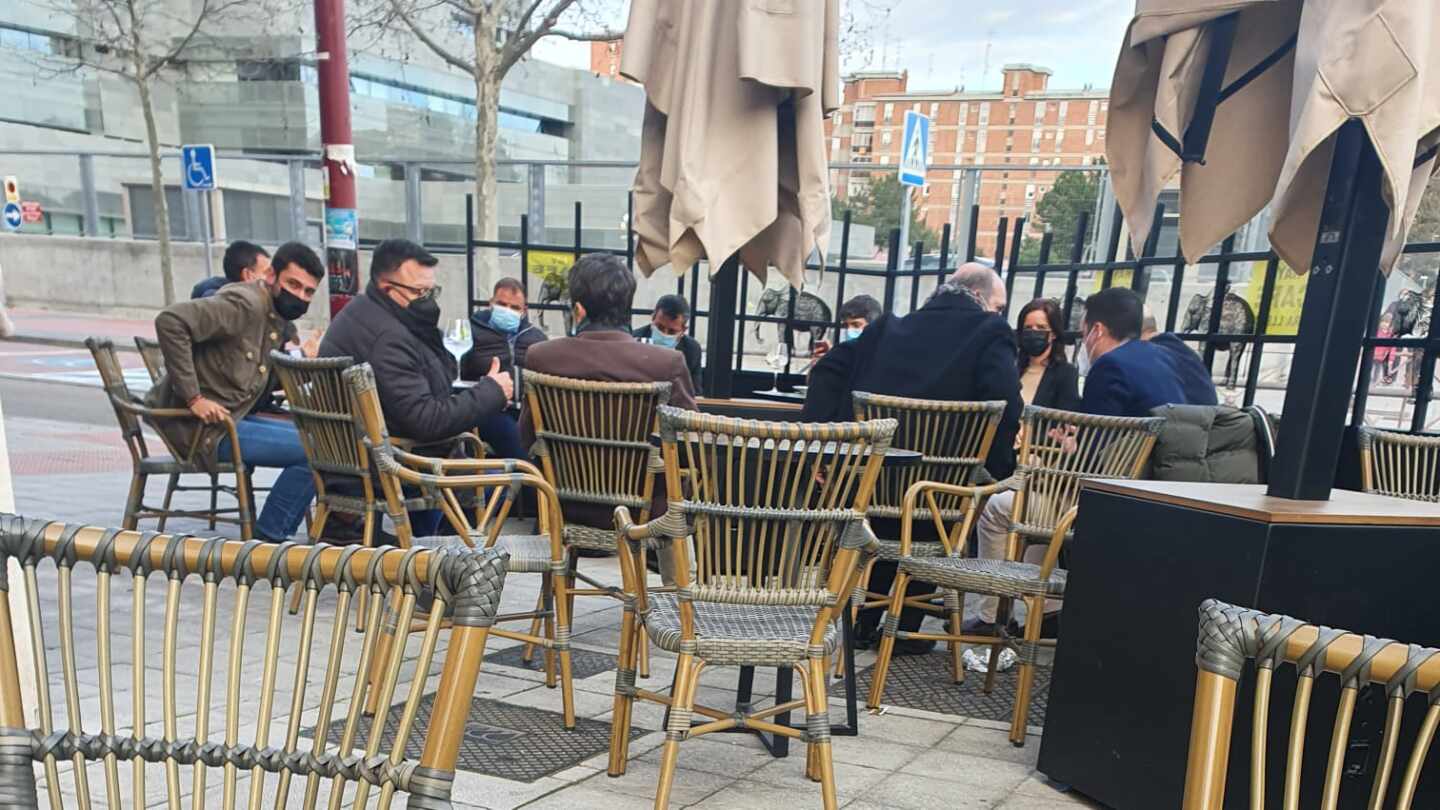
(1047, 379)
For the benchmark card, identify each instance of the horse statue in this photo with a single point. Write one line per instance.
(774, 302)
(1236, 318)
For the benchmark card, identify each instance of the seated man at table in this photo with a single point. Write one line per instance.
(217, 356)
(667, 329)
(956, 347)
(854, 315)
(395, 328)
(1194, 378)
(602, 290)
(1126, 376)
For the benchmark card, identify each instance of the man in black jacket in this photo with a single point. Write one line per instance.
(956, 347)
(1190, 371)
(667, 329)
(502, 331)
(394, 327)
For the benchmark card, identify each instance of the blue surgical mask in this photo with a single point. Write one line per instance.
(661, 339)
(505, 319)
(850, 333)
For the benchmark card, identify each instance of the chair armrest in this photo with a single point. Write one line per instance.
(975, 496)
(503, 465)
(181, 415)
(1057, 541)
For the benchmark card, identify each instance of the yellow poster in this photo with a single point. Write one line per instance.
(1118, 278)
(1285, 304)
(550, 264)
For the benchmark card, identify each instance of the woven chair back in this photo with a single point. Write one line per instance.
(271, 714)
(151, 356)
(1402, 465)
(952, 438)
(322, 405)
(1231, 636)
(594, 438)
(112, 377)
(770, 505)
(1059, 449)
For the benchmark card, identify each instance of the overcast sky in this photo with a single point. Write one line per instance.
(943, 42)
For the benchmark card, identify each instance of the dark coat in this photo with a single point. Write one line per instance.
(487, 343)
(1059, 387)
(413, 376)
(688, 346)
(206, 287)
(1131, 380)
(1212, 444)
(949, 349)
(1190, 370)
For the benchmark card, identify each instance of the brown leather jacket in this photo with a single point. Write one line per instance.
(218, 347)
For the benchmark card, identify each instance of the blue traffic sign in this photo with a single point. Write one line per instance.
(197, 166)
(915, 149)
(12, 216)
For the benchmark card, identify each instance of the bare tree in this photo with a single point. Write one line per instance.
(137, 40)
(500, 34)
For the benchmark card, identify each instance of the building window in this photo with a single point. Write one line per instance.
(889, 111)
(934, 109)
(860, 143)
(1092, 113)
(964, 112)
(984, 114)
(1104, 106)
(1064, 110)
(885, 137)
(980, 141)
(1029, 191)
(864, 115)
(915, 107)
(1059, 139)
(1089, 137)
(1035, 141)
(263, 218)
(1039, 112)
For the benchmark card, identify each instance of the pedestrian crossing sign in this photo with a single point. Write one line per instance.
(915, 149)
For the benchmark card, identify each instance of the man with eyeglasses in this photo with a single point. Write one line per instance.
(395, 327)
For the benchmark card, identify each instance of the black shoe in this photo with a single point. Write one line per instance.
(1049, 627)
(865, 637)
(342, 530)
(979, 627)
(913, 646)
(590, 552)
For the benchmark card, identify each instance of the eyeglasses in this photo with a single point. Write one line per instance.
(420, 294)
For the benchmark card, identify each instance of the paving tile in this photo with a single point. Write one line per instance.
(904, 791)
(983, 740)
(731, 755)
(851, 781)
(641, 778)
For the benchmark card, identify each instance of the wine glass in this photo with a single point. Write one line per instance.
(777, 359)
(456, 337)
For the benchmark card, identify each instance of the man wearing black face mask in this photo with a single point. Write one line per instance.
(217, 353)
(395, 328)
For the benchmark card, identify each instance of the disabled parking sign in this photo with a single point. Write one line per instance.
(198, 166)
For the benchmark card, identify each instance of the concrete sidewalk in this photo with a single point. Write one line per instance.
(71, 328)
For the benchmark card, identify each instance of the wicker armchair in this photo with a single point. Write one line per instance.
(593, 440)
(132, 414)
(776, 512)
(542, 554)
(1403, 465)
(151, 356)
(1058, 451)
(1230, 636)
(953, 440)
(467, 585)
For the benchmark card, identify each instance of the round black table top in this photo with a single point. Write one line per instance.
(798, 395)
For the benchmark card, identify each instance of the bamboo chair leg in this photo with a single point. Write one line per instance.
(317, 526)
(677, 726)
(379, 661)
(956, 603)
(817, 704)
(367, 539)
(644, 645)
(887, 639)
(624, 695)
(1034, 620)
(214, 498)
(133, 501)
(564, 599)
(547, 592)
(529, 654)
(170, 485)
(1002, 620)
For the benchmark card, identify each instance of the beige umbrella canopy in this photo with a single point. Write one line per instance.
(1296, 72)
(732, 152)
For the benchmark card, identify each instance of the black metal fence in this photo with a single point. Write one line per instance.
(1149, 273)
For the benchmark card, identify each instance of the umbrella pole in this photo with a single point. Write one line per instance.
(720, 339)
(1332, 320)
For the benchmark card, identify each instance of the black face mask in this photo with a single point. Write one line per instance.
(425, 310)
(288, 305)
(1034, 342)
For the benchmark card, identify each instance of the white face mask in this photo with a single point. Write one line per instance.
(1082, 355)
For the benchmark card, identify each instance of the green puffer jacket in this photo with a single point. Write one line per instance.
(1214, 444)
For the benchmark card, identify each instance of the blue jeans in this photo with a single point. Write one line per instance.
(275, 443)
(502, 433)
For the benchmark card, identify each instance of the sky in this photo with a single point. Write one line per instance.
(943, 43)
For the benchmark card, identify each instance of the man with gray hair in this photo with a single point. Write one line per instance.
(957, 347)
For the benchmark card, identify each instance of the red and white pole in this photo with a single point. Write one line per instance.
(342, 219)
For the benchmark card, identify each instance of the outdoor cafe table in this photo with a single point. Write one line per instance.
(777, 745)
(1146, 553)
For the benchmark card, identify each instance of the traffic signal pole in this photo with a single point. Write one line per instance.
(342, 220)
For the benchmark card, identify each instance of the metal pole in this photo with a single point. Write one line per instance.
(342, 220)
(414, 228)
(720, 337)
(205, 234)
(299, 223)
(904, 229)
(88, 196)
(1332, 320)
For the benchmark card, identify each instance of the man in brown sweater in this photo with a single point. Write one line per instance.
(217, 360)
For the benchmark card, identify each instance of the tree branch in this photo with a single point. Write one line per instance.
(581, 36)
(430, 42)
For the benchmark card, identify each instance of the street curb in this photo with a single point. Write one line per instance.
(64, 343)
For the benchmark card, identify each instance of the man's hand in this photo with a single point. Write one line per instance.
(822, 348)
(501, 378)
(311, 346)
(208, 411)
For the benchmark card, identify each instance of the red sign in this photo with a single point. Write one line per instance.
(30, 212)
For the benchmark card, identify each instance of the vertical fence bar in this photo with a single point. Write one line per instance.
(470, 255)
(721, 358)
(1002, 229)
(1217, 305)
(892, 268)
(789, 328)
(974, 231)
(1077, 254)
(695, 290)
(1262, 326)
(741, 315)
(1424, 387)
(843, 269)
(1047, 242)
(525, 253)
(915, 276)
(1014, 259)
(578, 246)
(1177, 281)
(630, 238)
(535, 199)
(944, 253)
(1367, 355)
(414, 230)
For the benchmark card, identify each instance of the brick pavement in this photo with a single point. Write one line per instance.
(903, 758)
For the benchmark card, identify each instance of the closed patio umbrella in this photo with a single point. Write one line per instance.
(732, 155)
(1296, 72)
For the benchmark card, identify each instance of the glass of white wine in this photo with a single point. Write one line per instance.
(777, 359)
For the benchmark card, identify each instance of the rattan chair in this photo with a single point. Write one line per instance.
(439, 480)
(466, 585)
(777, 515)
(593, 440)
(132, 414)
(1230, 636)
(1403, 465)
(1058, 450)
(953, 440)
(151, 356)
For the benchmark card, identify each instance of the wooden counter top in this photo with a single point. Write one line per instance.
(1250, 501)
